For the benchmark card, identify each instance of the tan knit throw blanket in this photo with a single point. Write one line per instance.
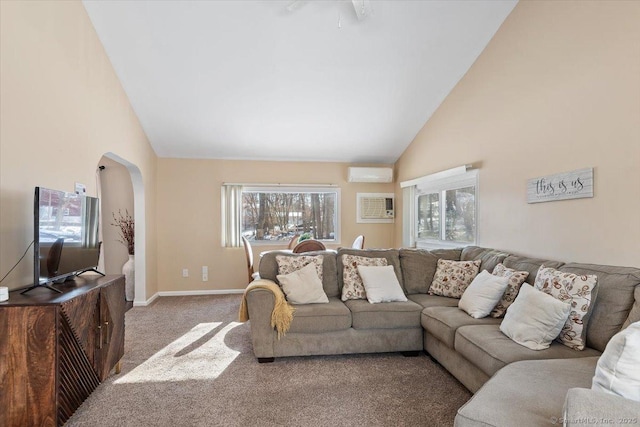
(282, 313)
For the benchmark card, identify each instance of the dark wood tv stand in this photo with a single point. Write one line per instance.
(56, 348)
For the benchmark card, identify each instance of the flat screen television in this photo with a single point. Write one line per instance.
(65, 236)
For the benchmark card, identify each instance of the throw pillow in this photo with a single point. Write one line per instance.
(303, 286)
(353, 287)
(516, 279)
(535, 318)
(381, 284)
(617, 371)
(483, 294)
(580, 292)
(289, 264)
(453, 277)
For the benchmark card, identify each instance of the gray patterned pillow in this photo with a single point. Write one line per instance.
(353, 287)
(579, 291)
(516, 279)
(453, 277)
(289, 264)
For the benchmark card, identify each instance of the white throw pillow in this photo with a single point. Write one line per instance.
(303, 286)
(482, 295)
(535, 318)
(352, 286)
(381, 284)
(618, 369)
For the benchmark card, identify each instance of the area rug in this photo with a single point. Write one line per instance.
(188, 362)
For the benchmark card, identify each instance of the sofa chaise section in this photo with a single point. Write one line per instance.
(526, 394)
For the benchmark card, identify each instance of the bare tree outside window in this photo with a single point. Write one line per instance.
(273, 216)
(460, 215)
(429, 216)
(457, 208)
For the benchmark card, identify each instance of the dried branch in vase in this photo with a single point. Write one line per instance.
(126, 229)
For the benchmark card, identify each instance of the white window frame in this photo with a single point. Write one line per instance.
(304, 188)
(436, 184)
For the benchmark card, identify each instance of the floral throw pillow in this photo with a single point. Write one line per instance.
(577, 290)
(453, 277)
(516, 279)
(289, 264)
(353, 288)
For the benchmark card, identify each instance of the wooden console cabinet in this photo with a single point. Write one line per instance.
(56, 348)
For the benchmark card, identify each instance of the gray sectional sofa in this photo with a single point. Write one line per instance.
(513, 384)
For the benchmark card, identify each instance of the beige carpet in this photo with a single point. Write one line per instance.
(188, 362)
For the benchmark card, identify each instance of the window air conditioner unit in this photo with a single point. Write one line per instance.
(375, 208)
(357, 174)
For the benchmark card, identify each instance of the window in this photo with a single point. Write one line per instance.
(274, 214)
(441, 211)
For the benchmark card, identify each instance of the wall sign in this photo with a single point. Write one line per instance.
(561, 186)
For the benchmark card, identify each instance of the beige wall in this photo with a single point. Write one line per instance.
(61, 108)
(116, 196)
(557, 89)
(189, 230)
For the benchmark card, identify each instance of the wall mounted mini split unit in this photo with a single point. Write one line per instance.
(358, 174)
(375, 208)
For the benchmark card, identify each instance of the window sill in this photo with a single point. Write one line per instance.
(434, 244)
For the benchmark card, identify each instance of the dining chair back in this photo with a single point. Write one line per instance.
(293, 242)
(358, 243)
(309, 245)
(248, 252)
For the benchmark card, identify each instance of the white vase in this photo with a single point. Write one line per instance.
(129, 271)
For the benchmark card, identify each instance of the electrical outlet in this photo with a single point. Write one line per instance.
(185, 272)
(205, 273)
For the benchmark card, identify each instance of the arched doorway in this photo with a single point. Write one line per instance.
(136, 192)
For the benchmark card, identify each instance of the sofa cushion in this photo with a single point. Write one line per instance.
(442, 322)
(634, 314)
(616, 286)
(580, 291)
(391, 255)
(426, 300)
(386, 315)
(453, 277)
(483, 294)
(516, 279)
(318, 318)
(303, 286)
(269, 268)
(489, 349)
(617, 371)
(532, 265)
(381, 284)
(515, 397)
(535, 318)
(353, 286)
(290, 264)
(419, 266)
(489, 257)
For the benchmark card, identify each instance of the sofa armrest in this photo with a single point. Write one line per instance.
(602, 408)
(260, 303)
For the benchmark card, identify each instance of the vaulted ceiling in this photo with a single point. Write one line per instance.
(290, 80)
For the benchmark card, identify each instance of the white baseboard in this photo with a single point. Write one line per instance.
(147, 302)
(202, 292)
(186, 293)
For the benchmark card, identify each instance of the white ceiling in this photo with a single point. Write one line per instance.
(252, 80)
